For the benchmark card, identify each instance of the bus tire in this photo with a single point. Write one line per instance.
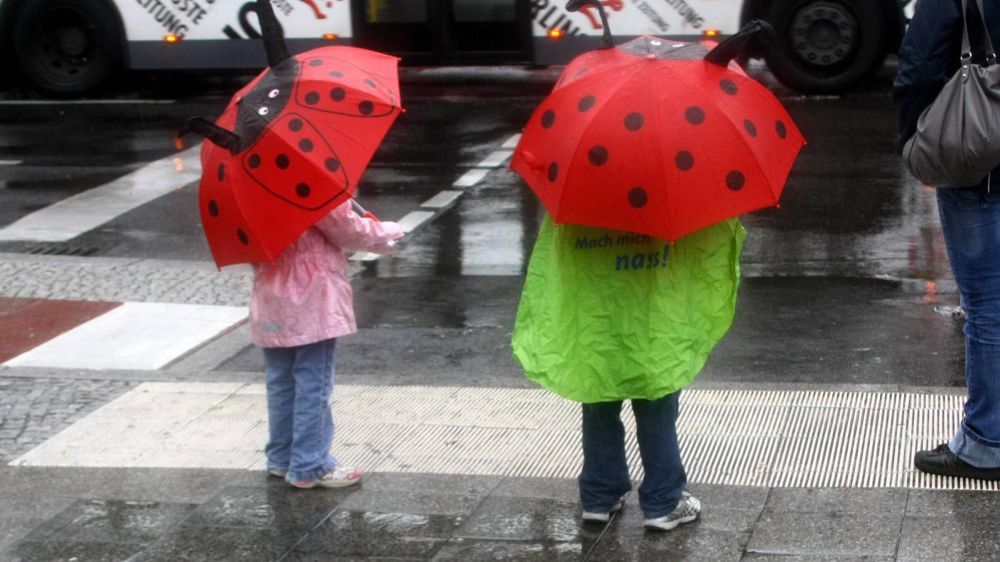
(67, 47)
(825, 46)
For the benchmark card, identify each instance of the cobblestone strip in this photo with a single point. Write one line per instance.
(33, 410)
(122, 280)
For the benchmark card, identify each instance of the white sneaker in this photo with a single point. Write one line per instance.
(276, 472)
(605, 516)
(686, 511)
(336, 478)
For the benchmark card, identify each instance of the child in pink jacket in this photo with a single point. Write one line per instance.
(300, 304)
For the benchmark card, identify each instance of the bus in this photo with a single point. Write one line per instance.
(74, 47)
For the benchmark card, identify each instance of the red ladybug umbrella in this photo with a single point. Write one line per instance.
(658, 137)
(291, 145)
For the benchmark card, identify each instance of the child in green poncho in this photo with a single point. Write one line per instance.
(608, 316)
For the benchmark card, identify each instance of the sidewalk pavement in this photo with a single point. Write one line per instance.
(454, 481)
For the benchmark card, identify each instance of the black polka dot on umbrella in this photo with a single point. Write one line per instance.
(735, 180)
(303, 190)
(254, 161)
(338, 94)
(598, 155)
(684, 160)
(553, 172)
(634, 121)
(750, 128)
(337, 74)
(243, 236)
(366, 107)
(295, 125)
(312, 98)
(213, 208)
(316, 62)
(305, 145)
(729, 87)
(586, 103)
(332, 164)
(637, 197)
(781, 129)
(548, 119)
(221, 172)
(282, 161)
(694, 115)
(369, 82)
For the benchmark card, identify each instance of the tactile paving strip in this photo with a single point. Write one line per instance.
(744, 437)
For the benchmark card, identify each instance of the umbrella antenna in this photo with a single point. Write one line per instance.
(575, 5)
(219, 136)
(736, 44)
(274, 37)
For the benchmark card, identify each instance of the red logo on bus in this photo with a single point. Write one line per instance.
(595, 22)
(319, 14)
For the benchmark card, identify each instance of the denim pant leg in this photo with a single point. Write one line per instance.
(970, 221)
(656, 432)
(278, 363)
(604, 477)
(312, 420)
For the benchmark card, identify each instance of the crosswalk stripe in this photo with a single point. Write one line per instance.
(72, 217)
(134, 336)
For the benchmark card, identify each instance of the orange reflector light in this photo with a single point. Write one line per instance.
(330, 36)
(556, 34)
(711, 33)
(172, 38)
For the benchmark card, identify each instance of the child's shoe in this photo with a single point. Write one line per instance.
(685, 512)
(337, 478)
(603, 516)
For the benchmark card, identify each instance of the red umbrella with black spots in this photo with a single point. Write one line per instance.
(658, 137)
(292, 144)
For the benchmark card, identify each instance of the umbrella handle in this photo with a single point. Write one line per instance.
(733, 46)
(575, 5)
(361, 211)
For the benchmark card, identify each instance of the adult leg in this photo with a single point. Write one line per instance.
(971, 224)
(313, 429)
(604, 478)
(278, 363)
(656, 431)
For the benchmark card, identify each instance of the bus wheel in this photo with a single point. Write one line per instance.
(825, 46)
(67, 47)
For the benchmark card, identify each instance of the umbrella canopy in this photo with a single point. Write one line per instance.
(652, 137)
(291, 145)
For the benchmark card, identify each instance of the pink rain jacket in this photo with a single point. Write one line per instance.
(304, 296)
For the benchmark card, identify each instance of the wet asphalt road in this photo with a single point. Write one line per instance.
(844, 283)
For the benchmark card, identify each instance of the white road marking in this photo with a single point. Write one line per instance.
(134, 336)
(442, 200)
(829, 439)
(9, 162)
(512, 141)
(496, 159)
(71, 217)
(472, 177)
(414, 219)
(447, 198)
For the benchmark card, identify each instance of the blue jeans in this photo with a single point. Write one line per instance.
(970, 221)
(605, 476)
(299, 386)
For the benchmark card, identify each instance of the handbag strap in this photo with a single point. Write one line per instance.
(991, 54)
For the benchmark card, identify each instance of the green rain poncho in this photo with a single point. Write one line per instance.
(608, 315)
